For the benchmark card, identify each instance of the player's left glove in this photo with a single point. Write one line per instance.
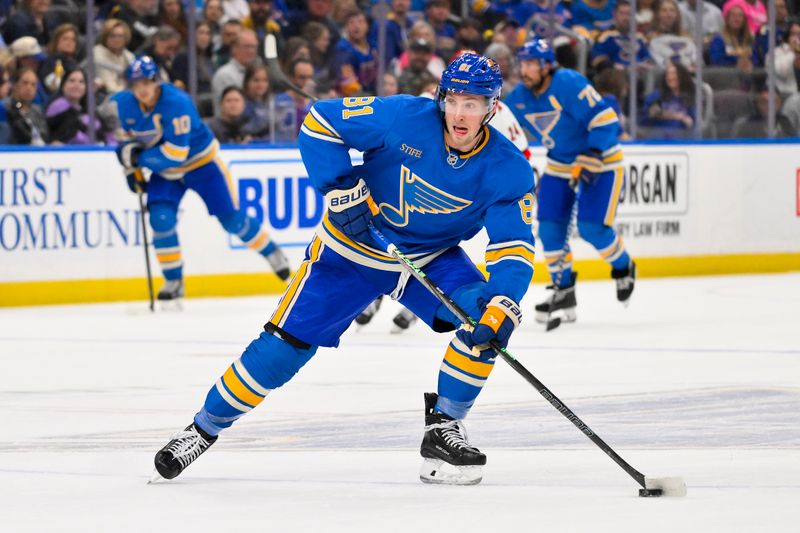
(136, 181)
(587, 166)
(501, 316)
(128, 154)
(351, 210)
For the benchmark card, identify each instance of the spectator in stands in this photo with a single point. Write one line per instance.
(318, 11)
(266, 113)
(668, 41)
(261, 19)
(320, 50)
(711, 21)
(5, 90)
(25, 118)
(244, 50)
(397, 25)
(230, 32)
(212, 15)
(733, 47)
(469, 35)
(787, 61)
(791, 110)
(229, 125)
(28, 54)
(31, 19)
(756, 125)
(761, 43)
(62, 56)
(390, 85)
(356, 62)
(504, 57)
(420, 31)
(614, 47)
(67, 115)
(141, 16)
(612, 84)
(164, 46)
(593, 16)
(521, 12)
(754, 12)
(111, 56)
(416, 75)
(645, 15)
(437, 14)
(296, 47)
(301, 73)
(170, 13)
(204, 67)
(235, 9)
(670, 108)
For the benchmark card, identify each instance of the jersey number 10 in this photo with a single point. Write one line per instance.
(181, 124)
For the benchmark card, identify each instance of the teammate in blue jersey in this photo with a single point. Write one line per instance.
(164, 133)
(433, 175)
(584, 165)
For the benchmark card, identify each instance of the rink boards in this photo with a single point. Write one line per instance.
(70, 229)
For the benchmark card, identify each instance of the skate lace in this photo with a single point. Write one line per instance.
(187, 446)
(624, 283)
(453, 433)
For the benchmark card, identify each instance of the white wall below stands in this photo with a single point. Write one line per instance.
(66, 215)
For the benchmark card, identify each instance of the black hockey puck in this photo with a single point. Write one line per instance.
(647, 493)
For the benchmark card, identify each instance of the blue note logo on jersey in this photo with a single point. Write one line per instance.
(544, 123)
(418, 195)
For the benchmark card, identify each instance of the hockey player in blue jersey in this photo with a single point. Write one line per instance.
(584, 165)
(164, 133)
(434, 174)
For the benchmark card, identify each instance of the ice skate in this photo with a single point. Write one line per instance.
(171, 294)
(367, 314)
(403, 320)
(561, 302)
(448, 457)
(180, 452)
(279, 263)
(625, 279)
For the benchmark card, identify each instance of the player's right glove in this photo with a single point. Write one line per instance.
(136, 181)
(501, 316)
(351, 210)
(587, 166)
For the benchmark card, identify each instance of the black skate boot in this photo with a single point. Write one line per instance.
(172, 290)
(448, 457)
(367, 314)
(181, 451)
(279, 263)
(562, 299)
(625, 279)
(403, 320)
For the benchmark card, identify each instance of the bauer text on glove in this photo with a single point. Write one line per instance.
(351, 210)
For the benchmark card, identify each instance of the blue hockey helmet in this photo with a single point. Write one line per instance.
(536, 49)
(471, 73)
(142, 68)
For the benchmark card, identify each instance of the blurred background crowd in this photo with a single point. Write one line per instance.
(733, 74)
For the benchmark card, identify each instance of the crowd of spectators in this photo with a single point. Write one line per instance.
(331, 48)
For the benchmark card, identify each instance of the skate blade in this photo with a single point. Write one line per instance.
(566, 315)
(171, 306)
(396, 330)
(438, 472)
(155, 478)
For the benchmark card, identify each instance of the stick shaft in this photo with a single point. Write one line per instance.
(145, 243)
(548, 395)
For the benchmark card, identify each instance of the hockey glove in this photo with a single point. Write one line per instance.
(351, 210)
(501, 316)
(587, 166)
(128, 154)
(136, 181)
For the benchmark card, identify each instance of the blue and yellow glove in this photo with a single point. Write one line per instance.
(351, 210)
(500, 317)
(587, 166)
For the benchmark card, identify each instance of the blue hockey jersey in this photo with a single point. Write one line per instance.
(426, 205)
(569, 118)
(176, 139)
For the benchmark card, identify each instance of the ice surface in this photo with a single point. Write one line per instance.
(699, 378)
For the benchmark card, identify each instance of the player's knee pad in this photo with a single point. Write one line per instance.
(272, 361)
(596, 234)
(163, 218)
(553, 234)
(233, 222)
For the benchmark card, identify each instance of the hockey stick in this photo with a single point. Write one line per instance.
(140, 179)
(271, 54)
(668, 486)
